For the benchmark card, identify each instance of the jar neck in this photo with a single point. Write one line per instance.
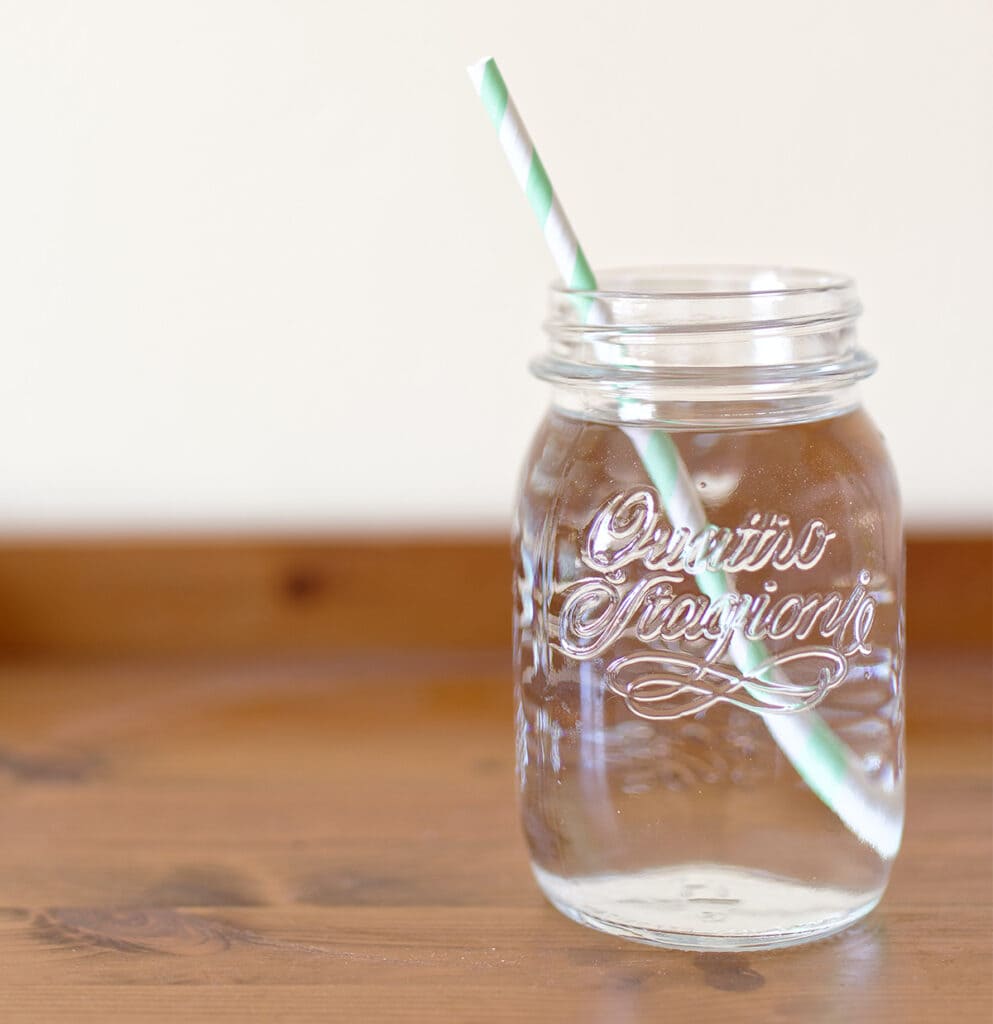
(706, 347)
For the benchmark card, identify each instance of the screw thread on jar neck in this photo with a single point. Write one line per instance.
(707, 346)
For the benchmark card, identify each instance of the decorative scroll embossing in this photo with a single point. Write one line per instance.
(638, 560)
(667, 686)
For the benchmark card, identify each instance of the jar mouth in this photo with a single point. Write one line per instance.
(711, 280)
(708, 298)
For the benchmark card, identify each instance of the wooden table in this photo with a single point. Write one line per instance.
(337, 840)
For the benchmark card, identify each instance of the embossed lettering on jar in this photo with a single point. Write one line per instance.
(708, 615)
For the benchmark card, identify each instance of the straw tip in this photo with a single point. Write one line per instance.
(477, 69)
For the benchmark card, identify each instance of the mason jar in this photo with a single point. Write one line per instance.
(709, 612)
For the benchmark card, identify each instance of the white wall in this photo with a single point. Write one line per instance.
(262, 263)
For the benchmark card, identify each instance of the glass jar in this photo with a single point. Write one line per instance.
(709, 613)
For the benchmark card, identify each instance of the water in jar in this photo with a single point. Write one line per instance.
(657, 800)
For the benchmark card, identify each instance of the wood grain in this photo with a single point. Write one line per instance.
(265, 780)
(255, 596)
(336, 840)
(950, 590)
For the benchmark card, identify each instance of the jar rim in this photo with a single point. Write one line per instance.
(682, 299)
(698, 281)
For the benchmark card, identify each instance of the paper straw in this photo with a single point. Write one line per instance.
(825, 763)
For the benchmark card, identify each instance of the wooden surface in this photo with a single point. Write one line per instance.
(240, 597)
(336, 840)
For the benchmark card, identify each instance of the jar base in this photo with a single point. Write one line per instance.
(706, 907)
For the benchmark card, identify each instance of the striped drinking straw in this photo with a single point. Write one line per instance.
(825, 763)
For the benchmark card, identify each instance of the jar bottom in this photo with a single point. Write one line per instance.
(703, 907)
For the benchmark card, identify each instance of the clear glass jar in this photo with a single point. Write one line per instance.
(709, 613)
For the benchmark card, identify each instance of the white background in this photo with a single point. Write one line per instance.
(262, 264)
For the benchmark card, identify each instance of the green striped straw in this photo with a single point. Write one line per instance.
(825, 763)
